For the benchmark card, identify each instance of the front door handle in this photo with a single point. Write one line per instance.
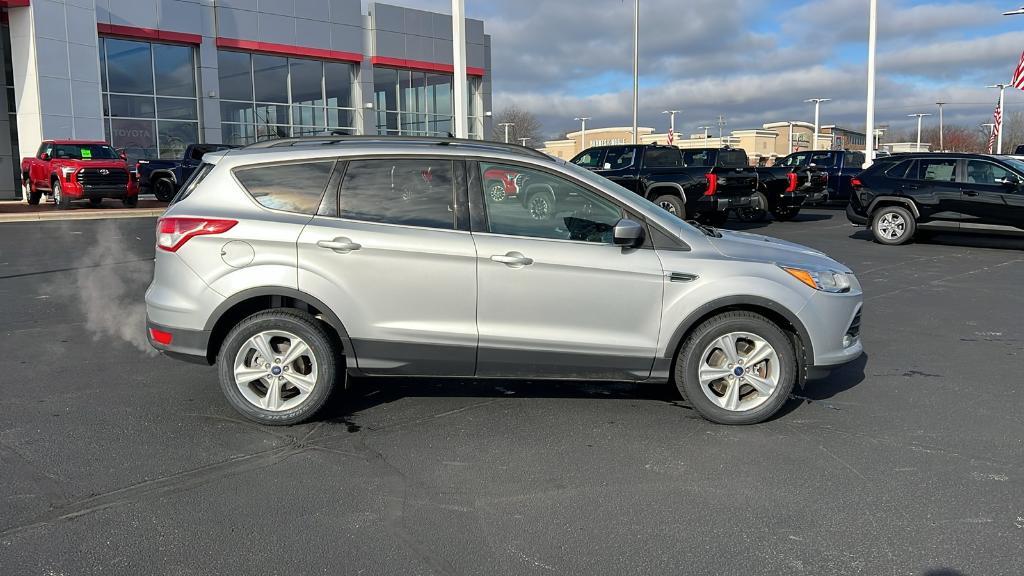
(339, 245)
(971, 193)
(512, 259)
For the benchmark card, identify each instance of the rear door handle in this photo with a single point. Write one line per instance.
(339, 245)
(971, 193)
(512, 259)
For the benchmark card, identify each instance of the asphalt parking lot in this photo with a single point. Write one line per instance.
(116, 461)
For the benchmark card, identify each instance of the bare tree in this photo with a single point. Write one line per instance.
(955, 138)
(524, 125)
(1013, 131)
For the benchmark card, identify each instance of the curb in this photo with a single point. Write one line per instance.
(84, 215)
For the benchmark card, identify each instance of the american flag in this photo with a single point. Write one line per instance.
(997, 119)
(1018, 74)
(671, 136)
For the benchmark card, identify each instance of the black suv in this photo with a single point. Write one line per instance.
(900, 195)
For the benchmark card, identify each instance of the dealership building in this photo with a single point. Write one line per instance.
(152, 76)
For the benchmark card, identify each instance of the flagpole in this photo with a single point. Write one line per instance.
(869, 156)
(636, 65)
(1002, 114)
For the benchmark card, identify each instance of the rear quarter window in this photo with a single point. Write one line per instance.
(733, 159)
(296, 187)
(192, 182)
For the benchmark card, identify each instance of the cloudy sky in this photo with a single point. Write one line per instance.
(754, 61)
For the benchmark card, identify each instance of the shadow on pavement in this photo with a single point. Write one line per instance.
(740, 226)
(957, 239)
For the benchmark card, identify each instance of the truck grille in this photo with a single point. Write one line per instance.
(102, 178)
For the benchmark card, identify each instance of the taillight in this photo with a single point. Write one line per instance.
(712, 184)
(856, 184)
(793, 179)
(161, 337)
(172, 233)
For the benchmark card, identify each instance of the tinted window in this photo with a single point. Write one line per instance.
(855, 159)
(590, 158)
(129, 67)
(288, 187)
(192, 182)
(732, 159)
(982, 172)
(823, 159)
(663, 158)
(174, 70)
(700, 158)
(794, 160)
(551, 207)
(936, 169)
(408, 192)
(620, 157)
(898, 169)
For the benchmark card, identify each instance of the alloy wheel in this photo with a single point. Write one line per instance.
(891, 226)
(275, 370)
(739, 371)
(497, 192)
(540, 208)
(668, 207)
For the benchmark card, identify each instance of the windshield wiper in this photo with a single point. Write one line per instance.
(708, 230)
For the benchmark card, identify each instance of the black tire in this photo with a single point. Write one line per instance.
(59, 198)
(31, 196)
(312, 333)
(689, 359)
(95, 202)
(163, 189)
(672, 204)
(541, 205)
(785, 213)
(756, 212)
(130, 201)
(893, 225)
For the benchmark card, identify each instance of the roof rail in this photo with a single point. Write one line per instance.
(436, 140)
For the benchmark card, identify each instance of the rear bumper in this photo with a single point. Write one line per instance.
(855, 218)
(188, 345)
(717, 203)
(791, 200)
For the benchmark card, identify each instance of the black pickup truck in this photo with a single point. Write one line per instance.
(840, 165)
(702, 183)
(162, 177)
(783, 190)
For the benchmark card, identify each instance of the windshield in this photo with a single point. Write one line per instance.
(1014, 163)
(85, 152)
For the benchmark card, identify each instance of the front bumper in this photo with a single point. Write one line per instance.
(833, 325)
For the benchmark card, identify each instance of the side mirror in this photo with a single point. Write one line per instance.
(124, 156)
(607, 166)
(44, 157)
(628, 233)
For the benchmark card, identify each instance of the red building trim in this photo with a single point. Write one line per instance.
(13, 3)
(288, 50)
(148, 34)
(422, 65)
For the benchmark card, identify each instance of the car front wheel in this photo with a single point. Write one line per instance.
(736, 368)
(278, 367)
(31, 196)
(893, 225)
(62, 201)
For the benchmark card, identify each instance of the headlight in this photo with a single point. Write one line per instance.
(824, 280)
(67, 171)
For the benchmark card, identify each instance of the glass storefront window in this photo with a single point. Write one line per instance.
(150, 101)
(420, 103)
(277, 97)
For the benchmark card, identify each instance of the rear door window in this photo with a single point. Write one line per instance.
(296, 187)
(663, 158)
(936, 169)
(410, 192)
(732, 159)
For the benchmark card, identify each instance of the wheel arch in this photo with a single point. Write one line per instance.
(881, 201)
(254, 300)
(773, 311)
(654, 187)
(163, 174)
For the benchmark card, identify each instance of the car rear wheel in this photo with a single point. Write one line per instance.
(541, 205)
(31, 196)
(672, 204)
(95, 202)
(893, 225)
(756, 212)
(130, 201)
(163, 189)
(62, 201)
(717, 219)
(496, 191)
(277, 367)
(736, 368)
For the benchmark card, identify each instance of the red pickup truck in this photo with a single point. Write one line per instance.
(71, 170)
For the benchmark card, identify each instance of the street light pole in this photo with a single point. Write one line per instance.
(705, 129)
(523, 141)
(790, 137)
(506, 125)
(721, 128)
(671, 124)
(869, 156)
(817, 118)
(919, 118)
(942, 141)
(1002, 114)
(636, 64)
(459, 59)
(583, 131)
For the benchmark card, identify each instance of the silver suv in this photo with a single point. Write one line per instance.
(290, 264)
